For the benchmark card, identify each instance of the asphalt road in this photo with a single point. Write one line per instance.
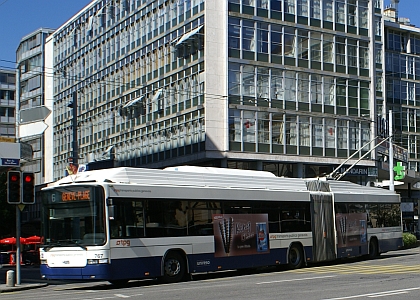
(395, 275)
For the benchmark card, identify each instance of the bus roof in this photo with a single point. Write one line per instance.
(186, 177)
(228, 179)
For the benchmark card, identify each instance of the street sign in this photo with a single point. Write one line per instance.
(31, 129)
(10, 162)
(33, 114)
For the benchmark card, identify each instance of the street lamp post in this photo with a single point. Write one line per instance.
(391, 153)
(75, 153)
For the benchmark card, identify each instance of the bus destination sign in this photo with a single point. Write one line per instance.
(75, 196)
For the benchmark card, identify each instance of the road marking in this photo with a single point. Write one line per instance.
(379, 294)
(389, 294)
(297, 279)
(361, 269)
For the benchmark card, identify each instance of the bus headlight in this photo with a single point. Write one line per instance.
(97, 261)
(43, 262)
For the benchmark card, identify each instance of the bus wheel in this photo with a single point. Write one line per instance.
(295, 257)
(373, 248)
(121, 282)
(174, 269)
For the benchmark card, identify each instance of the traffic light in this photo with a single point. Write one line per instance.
(13, 187)
(28, 188)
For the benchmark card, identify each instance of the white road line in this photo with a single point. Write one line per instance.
(373, 295)
(389, 294)
(298, 279)
(121, 296)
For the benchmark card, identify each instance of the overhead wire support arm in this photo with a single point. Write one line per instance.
(333, 173)
(363, 156)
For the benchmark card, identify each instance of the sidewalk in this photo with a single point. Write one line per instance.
(20, 287)
(30, 279)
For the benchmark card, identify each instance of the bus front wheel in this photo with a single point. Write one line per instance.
(174, 268)
(295, 257)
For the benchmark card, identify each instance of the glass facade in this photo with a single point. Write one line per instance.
(7, 104)
(299, 91)
(137, 69)
(402, 70)
(298, 79)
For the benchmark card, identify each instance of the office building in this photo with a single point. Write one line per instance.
(284, 86)
(31, 75)
(7, 105)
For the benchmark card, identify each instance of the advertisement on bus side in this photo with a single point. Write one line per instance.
(240, 234)
(351, 229)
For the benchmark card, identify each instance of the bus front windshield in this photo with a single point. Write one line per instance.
(73, 216)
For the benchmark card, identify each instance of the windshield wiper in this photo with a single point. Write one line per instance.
(50, 246)
(63, 243)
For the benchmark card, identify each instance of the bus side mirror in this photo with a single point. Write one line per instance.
(111, 214)
(111, 209)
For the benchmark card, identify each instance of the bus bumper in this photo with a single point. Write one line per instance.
(90, 272)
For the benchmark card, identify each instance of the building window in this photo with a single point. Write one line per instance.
(363, 14)
(249, 126)
(330, 133)
(276, 40)
(340, 51)
(302, 8)
(289, 42)
(328, 10)
(289, 6)
(316, 89)
(262, 34)
(263, 128)
(316, 54)
(277, 128)
(291, 133)
(352, 53)
(327, 49)
(303, 44)
(340, 12)
(342, 136)
(248, 36)
(316, 9)
(317, 132)
(304, 131)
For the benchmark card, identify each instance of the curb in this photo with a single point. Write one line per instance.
(21, 287)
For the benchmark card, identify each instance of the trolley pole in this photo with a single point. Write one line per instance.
(391, 153)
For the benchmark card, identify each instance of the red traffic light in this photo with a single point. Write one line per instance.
(14, 178)
(28, 178)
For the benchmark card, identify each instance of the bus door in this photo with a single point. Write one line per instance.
(322, 226)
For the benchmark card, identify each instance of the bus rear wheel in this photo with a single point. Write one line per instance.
(373, 248)
(174, 268)
(295, 257)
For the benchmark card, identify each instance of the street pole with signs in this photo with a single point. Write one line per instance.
(20, 191)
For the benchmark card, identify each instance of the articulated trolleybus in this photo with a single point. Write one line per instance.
(131, 223)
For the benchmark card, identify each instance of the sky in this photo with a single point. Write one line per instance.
(19, 18)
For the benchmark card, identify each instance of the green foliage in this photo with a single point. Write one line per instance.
(409, 239)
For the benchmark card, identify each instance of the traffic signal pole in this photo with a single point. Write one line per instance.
(20, 191)
(17, 259)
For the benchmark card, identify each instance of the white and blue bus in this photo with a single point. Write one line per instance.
(131, 223)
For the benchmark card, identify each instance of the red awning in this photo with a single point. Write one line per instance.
(12, 241)
(32, 240)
